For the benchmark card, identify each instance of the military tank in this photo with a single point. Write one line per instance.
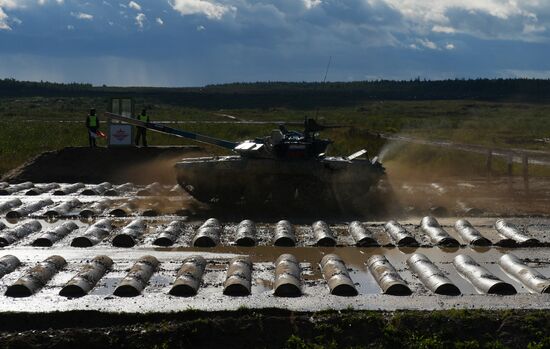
(286, 169)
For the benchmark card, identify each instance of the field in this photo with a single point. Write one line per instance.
(31, 125)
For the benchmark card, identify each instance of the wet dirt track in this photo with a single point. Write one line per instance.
(159, 207)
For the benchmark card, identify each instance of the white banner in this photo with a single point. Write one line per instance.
(120, 134)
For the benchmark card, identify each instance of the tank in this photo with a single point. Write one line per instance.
(286, 169)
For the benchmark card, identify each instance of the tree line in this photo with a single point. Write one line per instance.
(297, 94)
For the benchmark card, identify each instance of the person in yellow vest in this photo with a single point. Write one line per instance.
(92, 124)
(141, 132)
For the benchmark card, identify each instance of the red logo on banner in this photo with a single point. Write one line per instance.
(120, 134)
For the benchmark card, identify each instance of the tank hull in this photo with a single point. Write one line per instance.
(320, 183)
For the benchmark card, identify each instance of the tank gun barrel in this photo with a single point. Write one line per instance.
(173, 131)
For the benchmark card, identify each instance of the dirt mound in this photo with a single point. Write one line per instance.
(116, 165)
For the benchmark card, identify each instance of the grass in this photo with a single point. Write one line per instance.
(29, 126)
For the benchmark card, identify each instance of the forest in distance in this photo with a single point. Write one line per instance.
(299, 94)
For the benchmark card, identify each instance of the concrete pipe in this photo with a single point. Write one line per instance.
(12, 189)
(39, 190)
(10, 205)
(284, 234)
(238, 282)
(155, 208)
(170, 234)
(387, 277)
(482, 279)
(469, 234)
(288, 277)
(26, 210)
(119, 190)
(48, 238)
(94, 234)
(87, 277)
(399, 235)
(511, 231)
(189, 277)
(438, 235)
(64, 209)
(361, 235)
(431, 276)
(337, 276)
(130, 233)
(246, 233)
(323, 234)
(36, 278)
(8, 264)
(69, 189)
(137, 278)
(531, 278)
(208, 234)
(98, 189)
(125, 209)
(9, 236)
(153, 189)
(96, 209)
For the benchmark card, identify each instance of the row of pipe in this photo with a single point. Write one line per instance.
(105, 189)
(288, 276)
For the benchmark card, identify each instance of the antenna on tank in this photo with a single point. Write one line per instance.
(324, 80)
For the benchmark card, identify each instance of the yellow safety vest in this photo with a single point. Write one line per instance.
(93, 121)
(142, 118)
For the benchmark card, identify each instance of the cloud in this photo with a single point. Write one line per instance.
(449, 46)
(4, 20)
(209, 9)
(140, 19)
(443, 29)
(159, 21)
(82, 15)
(200, 28)
(134, 5)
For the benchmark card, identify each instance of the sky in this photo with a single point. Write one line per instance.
(199, 42)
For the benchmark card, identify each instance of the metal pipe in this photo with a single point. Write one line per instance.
(170, 234)
(96, 209)
(511, 231)
(531, 278)
(323, 234)
(482, 279)
(337, 276)
(125, 209)
(189, 277)
(69, 189)
(48, 238)
(87, 277)
(387, 277)
(284, 234)
(399, 235)
(137, 278)
(98, 189)
(10, 205)
(12, 189)
(288, 276)
(9, 236)
(431, 276)
(8, 264)
(208, 234)
(94, 234)
(361, 235)
(120, 190)
(28, 209)
(38, 190)
(153, 189)
(36, 278)
(130, 233)
(246, 233)
(438, 235)
(238, 281)
(64, 208)
(469, 234)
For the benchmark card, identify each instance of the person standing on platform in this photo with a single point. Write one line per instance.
(141, 132)
(92, 124)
